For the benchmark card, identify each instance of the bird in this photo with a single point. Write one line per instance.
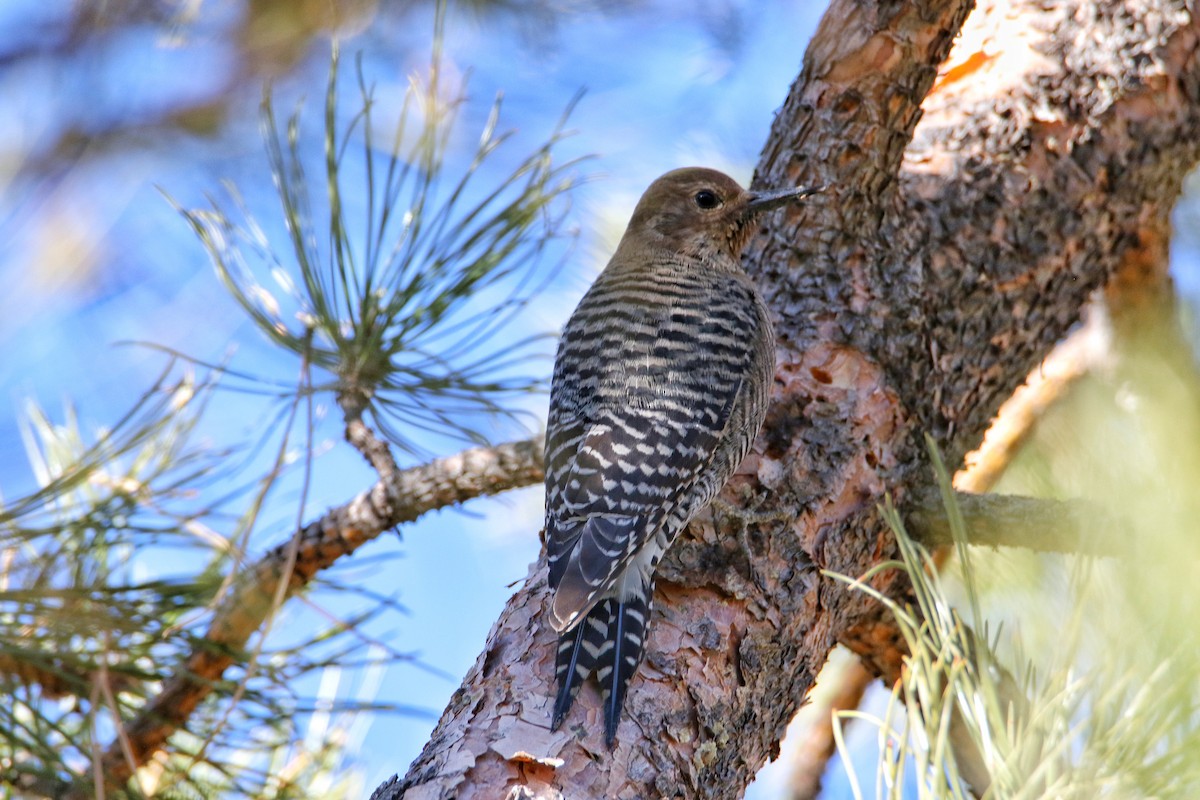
(660, 385)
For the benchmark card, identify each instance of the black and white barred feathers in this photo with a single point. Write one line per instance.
(660, 386)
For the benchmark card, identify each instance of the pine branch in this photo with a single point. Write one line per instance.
(364, 440)
(339, 532)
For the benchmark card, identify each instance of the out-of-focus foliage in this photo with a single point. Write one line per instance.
(259, 40)
(1106, 651)
(90, 629)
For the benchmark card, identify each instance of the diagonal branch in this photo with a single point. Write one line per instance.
(339, 532)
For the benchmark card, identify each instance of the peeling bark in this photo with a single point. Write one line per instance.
(912, 297)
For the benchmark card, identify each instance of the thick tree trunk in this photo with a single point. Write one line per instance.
(913, 297)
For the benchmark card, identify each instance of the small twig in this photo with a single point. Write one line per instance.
(110, 700)
(363, 439)
(840, 687)
(97, 760)
(374, 450)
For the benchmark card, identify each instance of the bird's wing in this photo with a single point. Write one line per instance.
(631, 468)
(614, 500)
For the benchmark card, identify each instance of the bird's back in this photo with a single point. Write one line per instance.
(654, 365)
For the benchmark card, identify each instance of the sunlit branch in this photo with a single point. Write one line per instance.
(360, 436)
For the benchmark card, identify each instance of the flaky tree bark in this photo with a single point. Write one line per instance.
(913, 297)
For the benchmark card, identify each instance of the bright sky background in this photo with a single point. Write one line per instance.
(94, 255)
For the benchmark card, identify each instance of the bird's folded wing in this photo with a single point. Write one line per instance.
(622, 486)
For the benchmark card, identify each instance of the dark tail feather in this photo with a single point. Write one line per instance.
(616, 665)
(578, 650)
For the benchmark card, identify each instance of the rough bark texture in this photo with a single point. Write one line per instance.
(913, 297)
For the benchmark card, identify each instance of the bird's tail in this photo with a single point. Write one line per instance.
(610, 640)
(578, 649)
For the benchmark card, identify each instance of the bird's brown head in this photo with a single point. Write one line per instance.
(700, 212)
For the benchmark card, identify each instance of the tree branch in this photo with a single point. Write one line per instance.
(55, 678)
(839, 687)
(1034, 523)
(360, 436)
(338, 533)
(914, 297)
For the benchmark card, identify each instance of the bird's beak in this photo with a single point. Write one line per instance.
(765, 201)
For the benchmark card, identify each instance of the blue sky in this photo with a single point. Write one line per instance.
(96, 256)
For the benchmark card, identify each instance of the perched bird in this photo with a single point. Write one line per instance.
(660, 386)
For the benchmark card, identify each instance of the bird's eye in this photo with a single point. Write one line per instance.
(706, 199)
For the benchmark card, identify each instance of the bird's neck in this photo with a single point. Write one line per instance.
(642, 253)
